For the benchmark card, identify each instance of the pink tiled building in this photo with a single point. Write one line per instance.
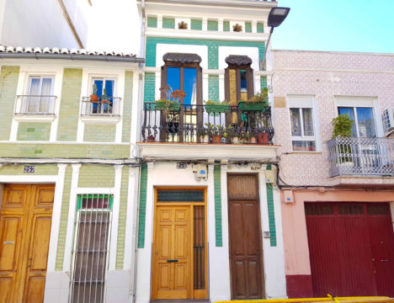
(337, 194)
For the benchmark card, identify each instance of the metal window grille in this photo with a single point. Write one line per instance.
(91, 246)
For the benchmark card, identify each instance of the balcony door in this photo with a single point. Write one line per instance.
(182, 72)
(363, 120)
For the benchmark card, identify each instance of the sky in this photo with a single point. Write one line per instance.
(337, 25)
(326, 25)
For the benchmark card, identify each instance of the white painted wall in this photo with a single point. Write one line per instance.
(41, 23)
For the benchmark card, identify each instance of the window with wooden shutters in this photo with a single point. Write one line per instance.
(90, 255)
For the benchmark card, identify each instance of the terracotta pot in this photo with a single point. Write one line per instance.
(253, 140)
(235, 140)
(93, 98)
(262, 138)
(216, 139)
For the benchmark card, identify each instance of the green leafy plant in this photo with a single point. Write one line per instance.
(259, 102)
(342, 126)
(217, 107)
(343, 129)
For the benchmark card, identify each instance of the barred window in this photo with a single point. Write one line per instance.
(91, 247)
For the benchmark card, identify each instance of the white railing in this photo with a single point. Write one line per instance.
(35, 105)
(361, 156)
(108, 107)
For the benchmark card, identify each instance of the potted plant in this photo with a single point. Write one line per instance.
(262, 138)
(343, 129)
(203, 135)
(213, 132)
(93, 96)
(167, 105)
(216, 107)
(258, 102)
(252, 138)
(104, 97)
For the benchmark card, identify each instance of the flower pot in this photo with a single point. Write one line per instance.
(173, 107)
(217, 108)
(216, 139)
(204, 139)
(93, 98)
(252, 106)
(253, 140)
(262, 138)
(235, 140)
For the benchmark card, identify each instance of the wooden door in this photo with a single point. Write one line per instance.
(172, 253)
(245, 237)
(25, 225)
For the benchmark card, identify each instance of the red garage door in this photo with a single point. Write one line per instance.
(351, 247)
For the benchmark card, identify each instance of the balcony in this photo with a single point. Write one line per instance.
(204, 131)
(361, 157)
(35, 106)
(101, 109)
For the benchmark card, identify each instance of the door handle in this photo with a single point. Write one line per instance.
(384, 260)
(172, 260)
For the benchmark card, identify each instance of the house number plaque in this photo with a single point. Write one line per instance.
(29, 169)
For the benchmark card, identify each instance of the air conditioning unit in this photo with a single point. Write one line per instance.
(388, 121)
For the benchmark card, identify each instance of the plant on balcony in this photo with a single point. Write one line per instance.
(262, 137)
(216, 107)
(237, 28)
(258, 103)
(343, 129)
(182, 25)
(93, 96)
(167, 105)
(214, 133)
(104, 97)
(202, 133)
(232, 135)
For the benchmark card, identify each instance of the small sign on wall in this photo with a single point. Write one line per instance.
(29, 169)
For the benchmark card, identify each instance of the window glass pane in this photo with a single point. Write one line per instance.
(190, 85)
(99, 84)
(350, 112)
(366, 125)
(109, 87)
(244, 85)
(173, 78)
(295, 122)
(180, 196)
(308, 121)
(46, 88)
(304, 146)
(34, 86)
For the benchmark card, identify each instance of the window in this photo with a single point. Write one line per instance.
(238, 79)
(102, 99)
(302, 123)
(91, 248)
(182, 72)
(39, 97)
(363, 120)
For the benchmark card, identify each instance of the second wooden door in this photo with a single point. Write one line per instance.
(245, 237)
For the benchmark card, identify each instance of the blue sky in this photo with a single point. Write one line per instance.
(337, 25)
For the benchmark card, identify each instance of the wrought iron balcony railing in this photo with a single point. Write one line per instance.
(361, 156)
(35, 105)
(205, 124)
(109, 106)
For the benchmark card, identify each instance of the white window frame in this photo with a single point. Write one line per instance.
(354, 102)
(300, 102)
(104, 78)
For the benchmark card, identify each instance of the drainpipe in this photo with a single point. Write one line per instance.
(140, 103)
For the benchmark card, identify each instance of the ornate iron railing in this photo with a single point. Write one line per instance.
(101, 107)
(361, 156)
(35, 105)
(204, 124)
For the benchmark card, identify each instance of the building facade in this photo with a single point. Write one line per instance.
(209, 215)
(57, 23)
(68, 178)
(337, 194)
